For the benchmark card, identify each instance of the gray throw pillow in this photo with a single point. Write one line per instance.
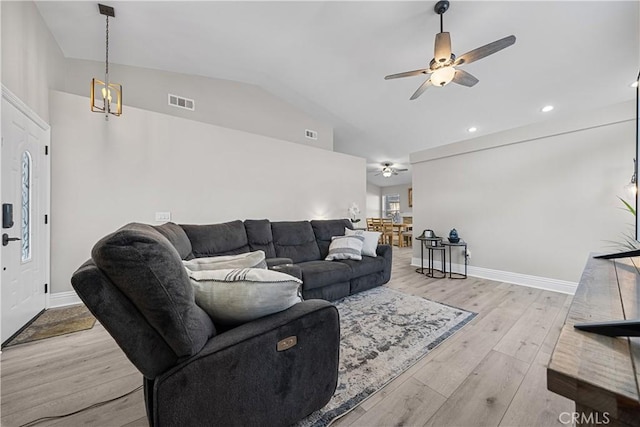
(345, 247)
(370, 240)
(236, 296)
(254, 259)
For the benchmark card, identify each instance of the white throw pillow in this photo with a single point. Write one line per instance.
(254, 259)
(235, 296)
(345, 247)
(370, 240)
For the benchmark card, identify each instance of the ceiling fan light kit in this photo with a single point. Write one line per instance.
(443, 76)
(442, 68)
(388, 170)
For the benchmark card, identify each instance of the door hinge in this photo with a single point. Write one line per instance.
(46, 150)
(46, 219)
(46, 288)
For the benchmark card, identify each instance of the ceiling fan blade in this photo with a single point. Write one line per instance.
(465, 79)
(424, 86)
(442, 47)
(407, 74)
(401, 170)
(486, 50)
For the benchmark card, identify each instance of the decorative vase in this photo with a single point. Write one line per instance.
(453, 236)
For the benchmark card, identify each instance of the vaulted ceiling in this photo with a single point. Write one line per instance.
(330, 57)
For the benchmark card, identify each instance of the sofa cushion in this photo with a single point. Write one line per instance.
(260, 237)
(228, 238)
(178, 238)
(367, 265)
(331, 292)
(316, 274)
(148, 270)
(295, 240)
(324, 230)
(236, 296)
(370, 240)
(345, 247)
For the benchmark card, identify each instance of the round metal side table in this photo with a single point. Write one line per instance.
(461, 244)
(431, 269)
(427, 242)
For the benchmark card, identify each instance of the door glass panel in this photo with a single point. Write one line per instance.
(26, 207)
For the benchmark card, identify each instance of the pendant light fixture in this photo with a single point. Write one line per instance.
(110, 93)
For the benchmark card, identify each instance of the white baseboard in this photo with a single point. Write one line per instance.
(61, 299)
(538, 282)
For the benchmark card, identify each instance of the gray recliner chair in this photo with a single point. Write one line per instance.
(194, 374)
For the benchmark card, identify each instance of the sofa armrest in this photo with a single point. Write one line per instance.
(386, 252)
(240, 377)
(272, 262)
(290, 269)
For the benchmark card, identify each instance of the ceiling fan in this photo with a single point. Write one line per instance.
(387, 171)
(443, 66)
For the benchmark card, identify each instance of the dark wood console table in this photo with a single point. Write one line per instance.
(601, 374)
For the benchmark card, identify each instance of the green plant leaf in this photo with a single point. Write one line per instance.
(628, 206)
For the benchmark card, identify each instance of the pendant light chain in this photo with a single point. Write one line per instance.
(107, 101)
(107, 49)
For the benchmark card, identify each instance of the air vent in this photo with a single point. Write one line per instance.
(311, 134)
(181, 102)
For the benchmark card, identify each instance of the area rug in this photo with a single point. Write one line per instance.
(54, 322)
(383, 332)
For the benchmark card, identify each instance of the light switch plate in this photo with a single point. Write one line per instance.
(163, 216)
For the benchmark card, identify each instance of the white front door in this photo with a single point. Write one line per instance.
(25, 183)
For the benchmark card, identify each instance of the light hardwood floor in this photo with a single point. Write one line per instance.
(490, 373)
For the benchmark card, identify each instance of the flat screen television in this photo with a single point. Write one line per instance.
(620, 328)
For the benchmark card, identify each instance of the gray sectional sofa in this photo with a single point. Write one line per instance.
(198, 373)
(304, 244)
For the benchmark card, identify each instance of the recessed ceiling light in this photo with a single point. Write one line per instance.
(472, 129)
(547, 108)
(634, 84)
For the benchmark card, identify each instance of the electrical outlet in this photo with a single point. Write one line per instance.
(468, 254)
(163, 216)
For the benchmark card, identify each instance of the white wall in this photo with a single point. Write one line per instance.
(403, 191)
(373, 201)
(106, 174)
(534, 200)
(224, 103)
(32, 62)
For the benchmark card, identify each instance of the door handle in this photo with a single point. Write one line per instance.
(6, 239)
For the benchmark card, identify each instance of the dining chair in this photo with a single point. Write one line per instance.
(407, 233)
(388, 231)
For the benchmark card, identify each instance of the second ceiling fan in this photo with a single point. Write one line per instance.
(443, 66)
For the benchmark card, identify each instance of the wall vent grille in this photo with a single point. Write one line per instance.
(311, 134)
(182, 102)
